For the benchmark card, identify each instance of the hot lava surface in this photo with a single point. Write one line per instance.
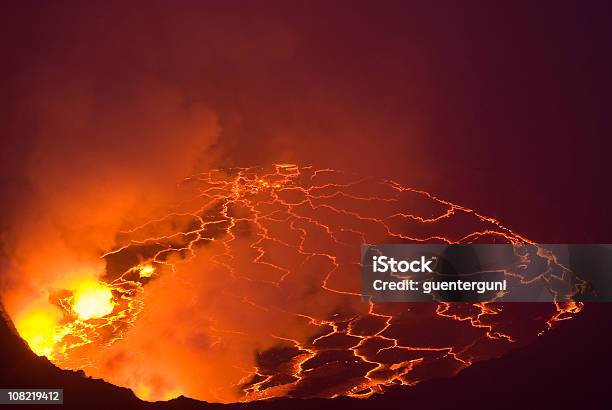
(249, 289)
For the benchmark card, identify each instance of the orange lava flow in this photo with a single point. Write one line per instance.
(249, 289)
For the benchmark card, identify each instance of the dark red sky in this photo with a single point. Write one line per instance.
(500, 107)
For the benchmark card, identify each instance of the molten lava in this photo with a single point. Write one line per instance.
(146, 271)
(249, 289)
(39, 329)
(93, 300)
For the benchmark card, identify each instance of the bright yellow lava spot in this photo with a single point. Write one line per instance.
(39, 330)
(92, 300)
(171, 395)
(144, 392)
(146, 271)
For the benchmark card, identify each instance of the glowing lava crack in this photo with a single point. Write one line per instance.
(249, 289)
